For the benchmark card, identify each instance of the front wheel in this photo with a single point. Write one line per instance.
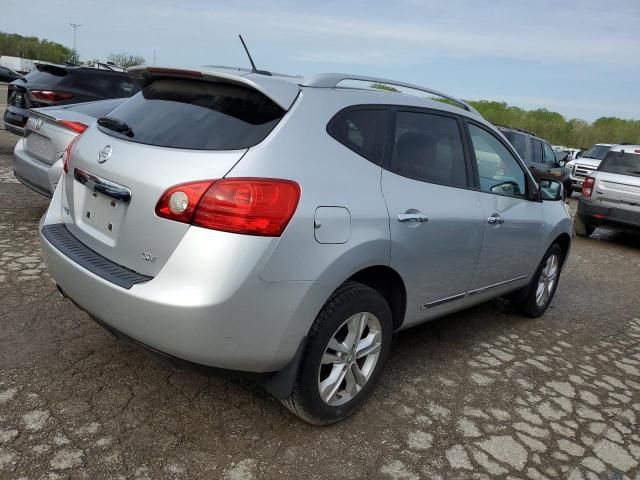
(534, 299)
(346, 350)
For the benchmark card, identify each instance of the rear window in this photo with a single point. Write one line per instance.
(622, 163)
(99, 83)
(94, 109)
(518, 142)
(197, 115)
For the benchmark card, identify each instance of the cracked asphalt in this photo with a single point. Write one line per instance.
(479, 394)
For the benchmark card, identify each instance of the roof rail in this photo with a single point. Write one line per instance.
(518, 130)
(331, 80)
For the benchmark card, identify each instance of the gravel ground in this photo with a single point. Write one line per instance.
(479, 394)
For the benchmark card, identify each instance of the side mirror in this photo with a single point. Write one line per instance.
(562, 163)
(551, 190)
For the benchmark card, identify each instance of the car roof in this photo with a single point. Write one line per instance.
(626, 148)
(283, 89)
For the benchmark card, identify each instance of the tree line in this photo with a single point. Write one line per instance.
(553, 127)
(34, 48)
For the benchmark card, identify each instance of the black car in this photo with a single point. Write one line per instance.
(541, 159)
(51, 85)
(8, 75)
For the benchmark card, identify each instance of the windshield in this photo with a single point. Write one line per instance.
(597, 151)
(622, 163)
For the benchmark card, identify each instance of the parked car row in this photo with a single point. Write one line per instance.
(539, 156)
(50, 85)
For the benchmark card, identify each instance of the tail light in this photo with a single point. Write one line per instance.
(49, 96)
(66, 156)
(587, 186)
(77, 127)
(251, 206)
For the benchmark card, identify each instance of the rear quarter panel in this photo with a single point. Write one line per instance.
(329, 174)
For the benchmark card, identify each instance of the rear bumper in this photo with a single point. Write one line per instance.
(592, 213)
(30, 171)
(204, 308)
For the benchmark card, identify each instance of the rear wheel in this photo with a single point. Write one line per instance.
(347, 348)
(534, 299)
(582, 229)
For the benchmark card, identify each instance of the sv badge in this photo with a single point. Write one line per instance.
(147, 257)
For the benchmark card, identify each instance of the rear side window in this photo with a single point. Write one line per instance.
(362, 130)
(518, 141)
(537, 151)
(429, 148)
(622, 163)
(196, 115)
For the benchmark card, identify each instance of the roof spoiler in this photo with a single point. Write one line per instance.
(282, 92)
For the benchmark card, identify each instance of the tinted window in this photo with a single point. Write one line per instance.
(429, 148)
(597, 151)
(537, 151)
(549, 155)
(100, 83)
(518, 141)
(498, 169)
(197, 115)
(621, 163)
(363, 131)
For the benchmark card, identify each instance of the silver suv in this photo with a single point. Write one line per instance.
(290, 226)
(611, 195)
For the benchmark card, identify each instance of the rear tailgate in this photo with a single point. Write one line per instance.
(618, 180)
(45, 138)
(178, 130)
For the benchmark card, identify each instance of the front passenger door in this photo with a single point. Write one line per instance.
(513, 224)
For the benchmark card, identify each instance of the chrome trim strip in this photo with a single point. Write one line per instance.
(442, 300)
(102, 185)
(495, 285)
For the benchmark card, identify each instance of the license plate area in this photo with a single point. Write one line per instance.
(40, 146)
(100, 215)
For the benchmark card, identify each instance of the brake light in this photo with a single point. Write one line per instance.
(251, 206)
(49, 96)
(66, 156)
(587, 186)
(77, 127)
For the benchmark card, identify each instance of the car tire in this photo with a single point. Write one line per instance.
(582, 229)
(330, 355)
(533, 300)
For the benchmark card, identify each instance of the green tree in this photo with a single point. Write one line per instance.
(33, 48)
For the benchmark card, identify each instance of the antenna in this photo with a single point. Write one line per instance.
(253, 65)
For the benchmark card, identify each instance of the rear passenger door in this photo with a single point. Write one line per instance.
(513, 232)
(436, 221)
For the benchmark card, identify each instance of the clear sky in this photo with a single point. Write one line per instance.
(577, 57)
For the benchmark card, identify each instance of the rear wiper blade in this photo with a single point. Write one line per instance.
(116, 125)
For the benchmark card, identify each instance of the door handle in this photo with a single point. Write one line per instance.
(495, 219)
(412, 217)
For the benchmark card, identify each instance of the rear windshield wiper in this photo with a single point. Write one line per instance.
(116, 125)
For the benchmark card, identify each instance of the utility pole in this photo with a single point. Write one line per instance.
(75, 27)
(154, 56)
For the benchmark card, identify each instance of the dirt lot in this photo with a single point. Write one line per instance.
(479, 394)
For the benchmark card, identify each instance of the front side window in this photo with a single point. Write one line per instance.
(429, 148)
(362, 131)
(549, 155)
(499, 171)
